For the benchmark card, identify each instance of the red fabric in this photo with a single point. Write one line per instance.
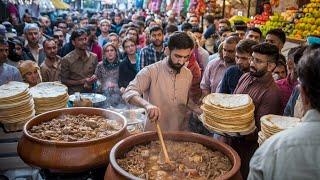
(142, 40)
(286, 87)
(97, 49)
(195, 91)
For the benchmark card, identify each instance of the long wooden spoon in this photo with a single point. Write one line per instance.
(166, 156)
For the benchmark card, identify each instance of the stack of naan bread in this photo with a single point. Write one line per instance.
(49, 96)
(233, 113)
(272, 124)
(16, 105)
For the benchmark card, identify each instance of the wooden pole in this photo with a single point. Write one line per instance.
(249, 6)
(223, 8)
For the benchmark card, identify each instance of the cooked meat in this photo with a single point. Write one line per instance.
(75, 128)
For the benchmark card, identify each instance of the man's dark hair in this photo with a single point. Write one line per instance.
(192, 16)
(155, 28)
(279, 33)
(298, 53)
(126, 39)
(209, 18)
(223, 30)
(83, 18)
(186, 26)
(245, 46)
(77, 33)
(171, 28)
(141, 18)
(180, 40)
(3, 42)
(240, 27)
(47, 40)
(267, 49)
(309, 75)
(232, 40)
(255, 29)
(149, 21)
(225, 21)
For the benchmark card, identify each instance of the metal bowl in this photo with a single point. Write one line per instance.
(97, 100)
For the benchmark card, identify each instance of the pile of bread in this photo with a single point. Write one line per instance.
(228, 113)
(19, 103)
(272, 124)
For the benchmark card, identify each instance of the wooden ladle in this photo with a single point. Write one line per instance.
(166, 156)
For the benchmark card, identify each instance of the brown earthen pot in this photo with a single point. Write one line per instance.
(69, 156)
(115, 172)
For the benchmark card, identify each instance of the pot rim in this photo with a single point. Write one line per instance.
(235, 157)
(65, 143)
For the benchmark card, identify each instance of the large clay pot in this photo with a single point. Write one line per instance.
(115, 172)
(69, 156)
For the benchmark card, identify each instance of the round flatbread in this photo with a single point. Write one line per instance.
(229, 100)
(12, 89)
(48, 90)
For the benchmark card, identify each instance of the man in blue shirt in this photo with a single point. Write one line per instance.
(7, 72)
(233, 73)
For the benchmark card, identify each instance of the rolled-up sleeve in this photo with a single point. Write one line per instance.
(140, 84)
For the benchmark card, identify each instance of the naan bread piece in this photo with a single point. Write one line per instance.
(283, 122)
(48, 90)
(13, 89)
(230, 100)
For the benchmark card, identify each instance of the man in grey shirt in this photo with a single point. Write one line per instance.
(7, 72)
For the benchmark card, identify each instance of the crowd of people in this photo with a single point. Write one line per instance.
(167, 64)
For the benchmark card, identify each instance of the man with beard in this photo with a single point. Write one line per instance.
(215, 70)
(7, 72)
(51, 67)
(58, 36)
(260, 86)
(33, 50)
(165, 86)
(155, 51)
(77, 67)
(233, 73)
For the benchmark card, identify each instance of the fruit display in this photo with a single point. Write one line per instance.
(274, 22)
(238, 18)
(289, 14)
(258, 20)
(309, 23)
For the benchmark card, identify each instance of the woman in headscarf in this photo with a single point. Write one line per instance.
(107, 73)
(30, 72)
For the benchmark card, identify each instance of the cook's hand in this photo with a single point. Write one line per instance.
(153, 112)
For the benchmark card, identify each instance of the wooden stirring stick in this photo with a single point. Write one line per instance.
(166, 156)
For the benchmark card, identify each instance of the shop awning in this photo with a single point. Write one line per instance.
(58, 4)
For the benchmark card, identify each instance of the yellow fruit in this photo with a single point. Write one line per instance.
(311, 21)
(305, 10)
(317, 22)
(298, 36)
(313, 28)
